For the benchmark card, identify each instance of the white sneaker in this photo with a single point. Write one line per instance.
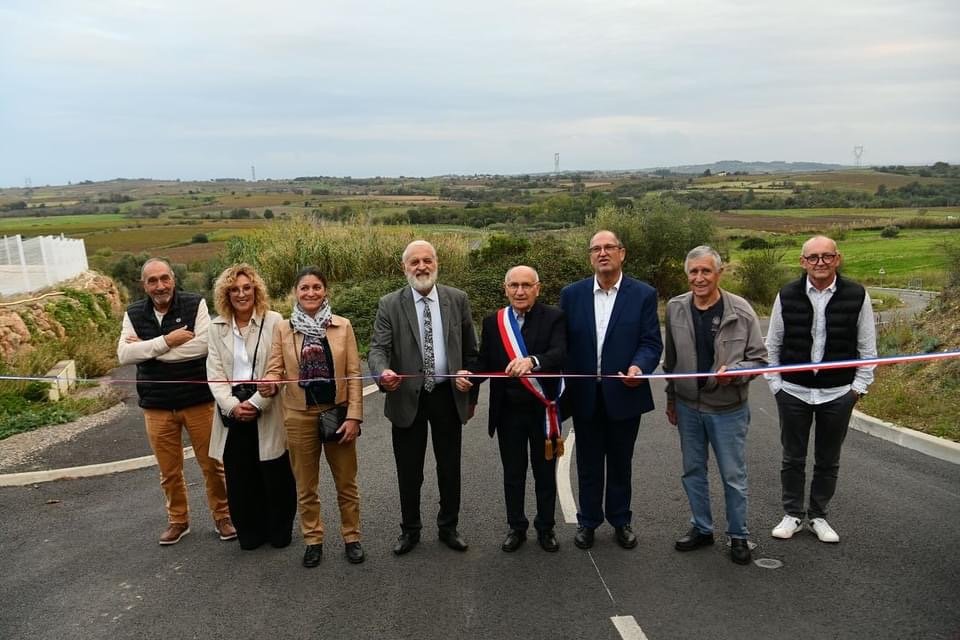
(823, 530)
(787, 527)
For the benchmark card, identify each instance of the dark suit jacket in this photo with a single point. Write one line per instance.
(545, 335)
(632, 338)
(395, 344)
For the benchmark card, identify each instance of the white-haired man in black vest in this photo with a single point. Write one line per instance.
(821, 317)
(165, 335)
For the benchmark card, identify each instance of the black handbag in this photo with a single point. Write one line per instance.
(329, 421)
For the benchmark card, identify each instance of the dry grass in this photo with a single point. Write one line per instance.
(344, 252)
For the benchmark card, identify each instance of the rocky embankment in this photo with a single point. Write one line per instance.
(54, 314)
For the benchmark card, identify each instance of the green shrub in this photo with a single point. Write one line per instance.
(754, 243)
(890, 231)
(36, 391)
(657, 235)
(761, 275)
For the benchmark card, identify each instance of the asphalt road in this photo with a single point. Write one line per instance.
(79, 558)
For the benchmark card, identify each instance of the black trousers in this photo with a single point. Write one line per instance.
(262, 494)
(796, 418)
(410, 447)
(518, 430)
(605, 467)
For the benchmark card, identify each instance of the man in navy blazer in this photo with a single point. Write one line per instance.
(612, 330)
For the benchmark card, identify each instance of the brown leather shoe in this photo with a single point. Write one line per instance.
(174, 532)
(226, 529)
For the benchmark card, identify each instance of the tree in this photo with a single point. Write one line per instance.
(761, 275)
(268, 214)
(657, 235)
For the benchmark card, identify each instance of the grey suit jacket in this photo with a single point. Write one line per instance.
(395, 344)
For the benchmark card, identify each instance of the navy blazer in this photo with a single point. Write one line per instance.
(632, 338)
(544, 334)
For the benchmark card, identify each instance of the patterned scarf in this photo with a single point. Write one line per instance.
(313, 358)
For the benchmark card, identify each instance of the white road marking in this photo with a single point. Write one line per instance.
(370, 388)
(628, 628)
(86, 471)
(602, 581)
(564, 490)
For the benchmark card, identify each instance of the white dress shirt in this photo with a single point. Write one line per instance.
(242, 363)
(439, 348)
(603, 301)
(143, 350)
(866, 347)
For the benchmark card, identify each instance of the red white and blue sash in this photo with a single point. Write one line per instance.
(513, 344)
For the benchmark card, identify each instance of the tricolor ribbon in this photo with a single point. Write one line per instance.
(515, 347)
(784, 368)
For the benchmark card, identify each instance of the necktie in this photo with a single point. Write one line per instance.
(520, 320)
(429, 365)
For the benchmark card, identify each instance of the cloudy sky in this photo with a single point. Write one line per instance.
(196, 89)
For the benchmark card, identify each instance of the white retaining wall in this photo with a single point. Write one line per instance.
(28, 265)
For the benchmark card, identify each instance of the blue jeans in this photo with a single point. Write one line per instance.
(727, 433)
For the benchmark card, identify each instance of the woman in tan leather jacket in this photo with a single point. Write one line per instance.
(315, 354)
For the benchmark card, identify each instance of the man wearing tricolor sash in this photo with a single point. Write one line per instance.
(522, 340)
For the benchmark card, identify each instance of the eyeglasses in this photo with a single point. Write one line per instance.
(608, 248)
(517, 286)
(825, 258)
(235, 291)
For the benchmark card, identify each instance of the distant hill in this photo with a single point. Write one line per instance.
(731, 166)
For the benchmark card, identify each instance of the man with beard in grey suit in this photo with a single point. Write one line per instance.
(423, 333)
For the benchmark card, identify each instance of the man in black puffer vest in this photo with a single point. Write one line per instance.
(822, 317)
(165, 335)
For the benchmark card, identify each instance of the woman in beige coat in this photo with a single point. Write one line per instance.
(247, 434)
(315, 352)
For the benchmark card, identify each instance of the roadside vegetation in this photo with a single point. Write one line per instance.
(923, 396)
(77, 325)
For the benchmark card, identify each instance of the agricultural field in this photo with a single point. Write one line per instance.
(71, 225)
(169, 217)
(915, 258)
(796, 220)
(863, 180)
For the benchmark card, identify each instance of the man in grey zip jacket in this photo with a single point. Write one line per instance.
(712, 330)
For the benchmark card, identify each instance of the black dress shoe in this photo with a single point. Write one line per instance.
(548, 540)
(354, 552)
(514, 539)
(694, 539)
(740, 551)
(584, 538)
(625, 537)
(406, 542)
(453, 539)
(311, 557)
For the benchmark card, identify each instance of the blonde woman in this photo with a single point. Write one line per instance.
(248, 435)
(319, 349)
